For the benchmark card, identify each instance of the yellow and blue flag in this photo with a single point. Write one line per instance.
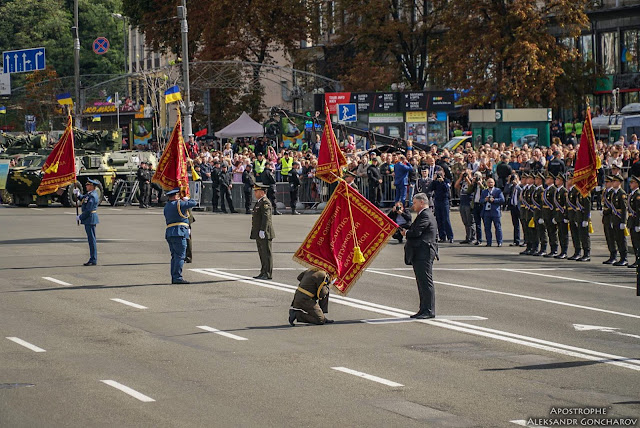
(97, 118)
(109, 99)
(64, 99)
(172, 94)
(3, 110)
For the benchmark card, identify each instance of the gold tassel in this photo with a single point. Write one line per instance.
(53, 168)
(626, 231)
(532, 224)
(194, 174)
(358, 258)
(590, 227)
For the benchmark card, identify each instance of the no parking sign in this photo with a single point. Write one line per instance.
(101, 45)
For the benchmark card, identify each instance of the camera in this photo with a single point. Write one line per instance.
(398, 209)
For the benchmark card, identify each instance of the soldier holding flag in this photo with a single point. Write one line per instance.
(89, 217)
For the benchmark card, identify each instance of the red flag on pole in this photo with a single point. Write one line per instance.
(587, 160)
(201, 133)
(172, 167)
(331, 160)
(333, 245)
(60, 167)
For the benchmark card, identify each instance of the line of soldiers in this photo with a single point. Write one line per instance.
(549, 211)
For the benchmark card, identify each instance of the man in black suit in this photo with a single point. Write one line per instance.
(512, 192)
(419, 251)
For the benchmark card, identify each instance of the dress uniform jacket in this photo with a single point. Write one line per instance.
(311, 296)
(90, 202)
(261, 219)
(619, 220)
(633, 220)
(176, 216)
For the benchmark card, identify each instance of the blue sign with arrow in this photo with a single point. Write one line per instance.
(347, 112)
(24, 60)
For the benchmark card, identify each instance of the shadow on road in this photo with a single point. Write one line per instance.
(552, 366)
(108, 287)
(79, 265)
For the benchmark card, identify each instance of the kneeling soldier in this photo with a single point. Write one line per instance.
(311, 299)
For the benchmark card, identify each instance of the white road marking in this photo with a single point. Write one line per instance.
(527, 341)
(438, 318)
(127, 390)
(568, 279)
(583, 327)
(37, 209)
(126, 302)
(57, 281)
(521, 296)
(368, 376)
(475, 269)
(69, 212)
(115, 209)
(221, 333)
(19, 341)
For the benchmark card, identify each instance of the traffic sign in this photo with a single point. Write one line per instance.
(101, 45)
(24, 60)
(347, 112)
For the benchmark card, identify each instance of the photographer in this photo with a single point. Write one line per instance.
(475, 191)
(463, 186)
(441, 188)
(402, 219)
(512, 192)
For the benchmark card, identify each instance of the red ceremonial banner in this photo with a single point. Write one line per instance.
(587, 161)
(172, 167)
(330, 244)
(60, 167)
(330, 158)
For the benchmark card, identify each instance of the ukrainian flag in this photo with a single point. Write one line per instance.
(109, 99)
(97, 118)
(3, 110)
(64, 99)
(172, 94)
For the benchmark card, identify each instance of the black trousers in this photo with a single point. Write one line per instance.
(145, 193)
(247, 199)
(225, 193)
(216, 196)
(271, 195)
(515, 220)
(375, 194)
(293, 194)
(423, 269)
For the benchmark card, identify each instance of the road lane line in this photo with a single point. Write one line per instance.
(504, 336)
(57, 281)
(115, 209)
(129, 391)
(473, 269)
(69, 212)
(19, 341)
(568, 279)
(521, 296)
(128, 303)
(221, 333)
(368, 376)
(37, 209)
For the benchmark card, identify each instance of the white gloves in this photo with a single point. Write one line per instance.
(261, 234)
(585, 223)
(637, 228)
(78, 217)
(566, 220)
(622, 225)
(333, 281)
(553, 220)
(540, 221)
(186, 198)
(76, 191)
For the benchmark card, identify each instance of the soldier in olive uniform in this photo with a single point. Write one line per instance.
(262, 230)
(561, 216)
(525, 213)
(633, 221)
(527, 199)
(584, 217)
(606, 221)
(574, 214)
(619, 218)
(548, 214)
(538, 220)
(311, 299)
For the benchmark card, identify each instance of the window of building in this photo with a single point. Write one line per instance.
(586, 47)
(629, 97)
(609, 52)
(629, 54)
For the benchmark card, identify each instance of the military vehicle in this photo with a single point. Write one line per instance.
(98, 156)
(16, 147)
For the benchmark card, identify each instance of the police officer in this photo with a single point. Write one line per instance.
(548, 214)
(225, 190)
(607, 215)
(374, 180)
(215, 185)
(269, 180)
(311, 299)
(258, 166)
(294, 185)
(89, 217)
(286, 164)
(561, 216)
(538, 219)
(619, 218)
(248, 181)
(177, 231)
(262, 231)
(633, 220)
(144, 182)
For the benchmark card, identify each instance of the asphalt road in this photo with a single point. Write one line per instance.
(516, 338)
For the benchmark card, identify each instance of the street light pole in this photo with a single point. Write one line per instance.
(76, 60)
(187, 108)
(124, 37)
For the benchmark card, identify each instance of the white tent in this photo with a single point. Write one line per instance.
(244, 126)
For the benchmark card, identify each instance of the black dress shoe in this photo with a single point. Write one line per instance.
(451, 241)
(551, 254)
(89, 264)
(514, 244)
(417, 314)
(525, 253)
(500, 244)
(466, 241)
(328, 321)
(292, 317)
(233, 211)
(425, 316)
(633, 265)
(622, 262)
(585, 258)
(277, 213)
(523, 245)
(295, 213)
(487, 245)
(259, 277)
(611, 261)
(224, 211)
(180, 281)
(247, 212)
(540, 253)
(561, 256)
(576, 256)
(477, 243)
(187, 260)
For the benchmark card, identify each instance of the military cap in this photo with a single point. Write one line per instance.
(94, 182)
(634, 178)
(616, 164)
(259, 186)
(549, 175)
(525, 175)
(349, 173)
(173, 191)
(562, 177)
(617, 177)
(608, 178)
(539, 175)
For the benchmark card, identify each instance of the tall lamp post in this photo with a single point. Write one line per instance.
(187, 108)
(76, 61)
(124, 38)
